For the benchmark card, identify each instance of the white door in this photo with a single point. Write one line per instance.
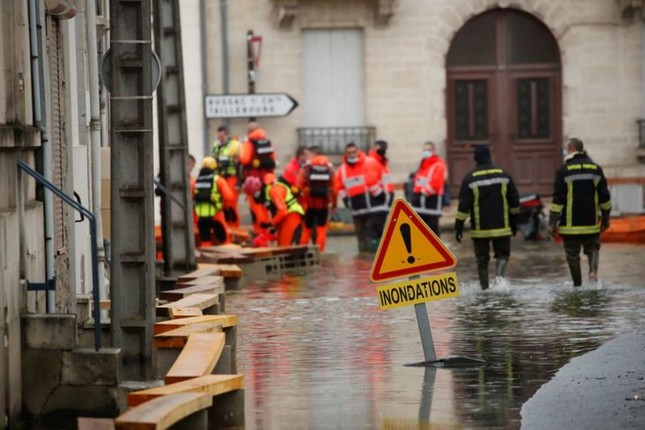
(333, 78)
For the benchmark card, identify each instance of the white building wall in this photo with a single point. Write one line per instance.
(405, 79)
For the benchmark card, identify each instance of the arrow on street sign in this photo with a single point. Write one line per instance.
(248, 105)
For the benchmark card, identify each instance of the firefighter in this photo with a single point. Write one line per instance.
(212, 194)
(286, 212)
(257, 156)
(428, 187)
(226, 152)
(317, 184)
(292, 170)
(358, 183)
(254, 190)
(580, 209)
(488, 195)
(380, 216)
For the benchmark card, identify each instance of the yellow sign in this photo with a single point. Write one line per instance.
(408, 247)
(413, 291)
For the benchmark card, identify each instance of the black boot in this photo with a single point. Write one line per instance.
(593, 265)
(483, 275)
(576, 274)
(502, 263)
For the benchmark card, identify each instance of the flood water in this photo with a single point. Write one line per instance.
(318, 353)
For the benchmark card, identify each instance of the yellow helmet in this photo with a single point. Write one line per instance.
(209, 163)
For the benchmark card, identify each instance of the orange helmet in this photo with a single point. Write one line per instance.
(269, 178)
(320, 160)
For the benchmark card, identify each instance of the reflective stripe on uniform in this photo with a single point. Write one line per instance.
(319, 177)
(422, 209)
(487, 182)
(265, 150)
(498, 232)
(353, 181)
(579, 229)
(582, 177)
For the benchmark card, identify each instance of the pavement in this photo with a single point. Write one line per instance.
(603, 389)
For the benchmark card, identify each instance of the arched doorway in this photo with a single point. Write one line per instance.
(504, 90)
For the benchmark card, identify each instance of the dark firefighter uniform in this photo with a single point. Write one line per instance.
(581, 206)
(489, 196)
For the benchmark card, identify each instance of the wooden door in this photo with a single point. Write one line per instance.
(503, 90)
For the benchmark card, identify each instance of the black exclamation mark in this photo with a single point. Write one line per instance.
(407, 240)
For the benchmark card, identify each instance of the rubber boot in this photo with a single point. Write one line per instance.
(483, 275)
(576, 273)
(593, 265)
(321, 237)
(502, 264)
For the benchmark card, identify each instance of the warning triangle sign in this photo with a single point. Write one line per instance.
(408, 247)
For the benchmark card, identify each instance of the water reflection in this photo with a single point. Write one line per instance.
(318, 353)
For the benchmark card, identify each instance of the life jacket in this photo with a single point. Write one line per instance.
(362, 199)
(208, 200)
(263, 152)
(290, 200)
(429, 178)
(225, 161)
(320, 177)
(293, 187)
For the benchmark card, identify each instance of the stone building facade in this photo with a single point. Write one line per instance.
(407, 95)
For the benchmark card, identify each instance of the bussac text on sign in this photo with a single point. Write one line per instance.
(248, 105)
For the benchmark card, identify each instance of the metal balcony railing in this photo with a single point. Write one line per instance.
(332, 140)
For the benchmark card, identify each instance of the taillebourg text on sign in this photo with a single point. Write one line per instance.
(248, 105)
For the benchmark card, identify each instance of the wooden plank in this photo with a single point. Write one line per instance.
(225, 321)
(83, 423)
(200, 301)
(178, 337)
(163, 412)
(213, 385)
(198, 358)
(204, 280)
(180, 293)
(181, 313)
(200, 272)
(225, 270)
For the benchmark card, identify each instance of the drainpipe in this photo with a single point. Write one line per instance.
(202, 36)
(38, 67)
(95, 130)
(223, 6)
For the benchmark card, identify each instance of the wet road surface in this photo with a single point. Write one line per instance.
(319, 354)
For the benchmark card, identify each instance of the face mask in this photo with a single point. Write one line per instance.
(256, 195)
(426, 154)
(381, 152)
(564, 153)
(352, 160)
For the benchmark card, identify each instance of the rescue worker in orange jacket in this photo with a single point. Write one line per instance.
(285, 210)
(292, 171)
(257, 156)
(358, 181)
(428, 188)
(317, 184)
(380, 216)
(256, 197)
(212, 194)
(226, 151)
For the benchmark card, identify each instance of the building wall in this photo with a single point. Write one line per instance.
(405, 79)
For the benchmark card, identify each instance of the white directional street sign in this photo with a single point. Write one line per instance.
(248, 105)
